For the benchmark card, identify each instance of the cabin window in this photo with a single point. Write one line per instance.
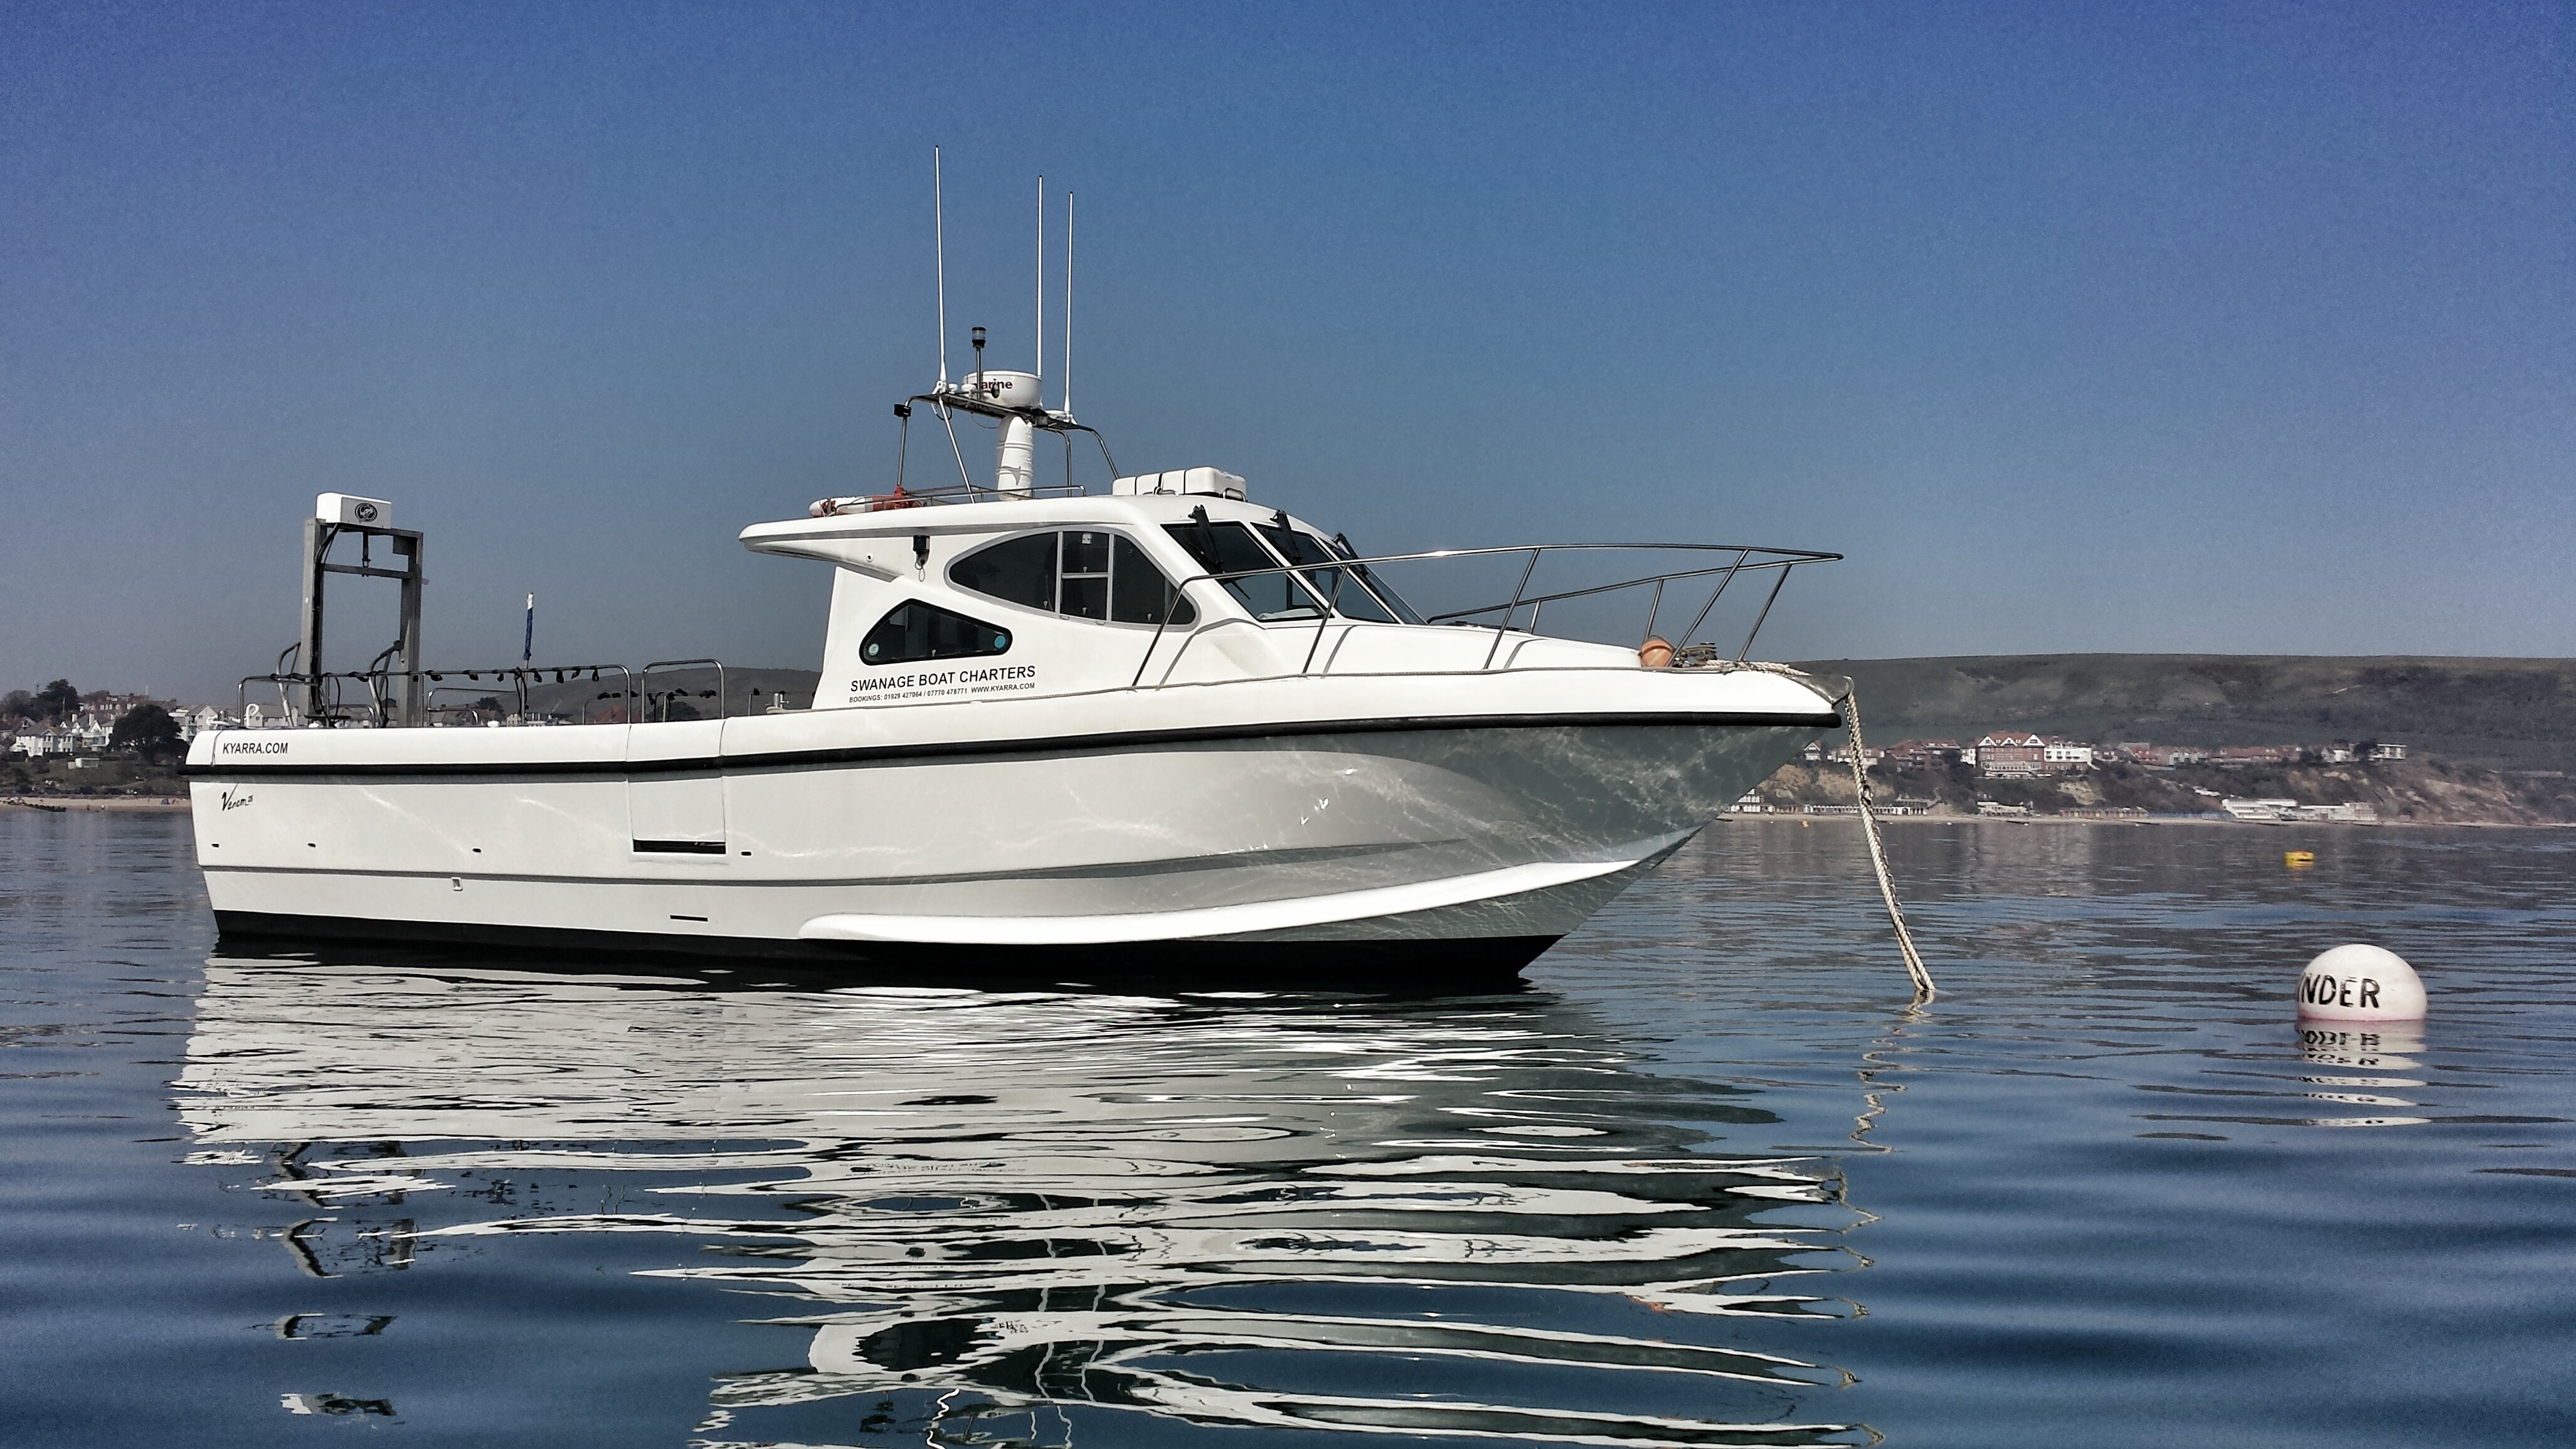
(916, 630)
(1081, 573)
(1385, 592)
(1350, 591)
(1085, 592)
(1016, 570)
(1138, 592)
(1230, 548)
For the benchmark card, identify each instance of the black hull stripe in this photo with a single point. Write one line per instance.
(242, 769)
(1377, 966)
(1103, 871)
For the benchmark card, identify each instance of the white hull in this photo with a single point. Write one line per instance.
(1260, 816)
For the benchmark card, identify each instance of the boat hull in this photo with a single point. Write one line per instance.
(1443, 848)
(1367, 823)
(1397, 965)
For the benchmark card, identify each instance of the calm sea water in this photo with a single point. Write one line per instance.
(1708, 1180)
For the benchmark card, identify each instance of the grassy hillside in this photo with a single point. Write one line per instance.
(2514, 714)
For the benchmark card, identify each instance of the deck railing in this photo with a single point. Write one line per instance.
(327, 693)
(1353, 571)
(1321, 583)
(936, 496)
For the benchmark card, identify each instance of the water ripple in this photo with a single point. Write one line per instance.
(1172, 1206)
(1710, 1180)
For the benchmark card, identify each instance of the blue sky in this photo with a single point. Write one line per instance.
(2236, 328)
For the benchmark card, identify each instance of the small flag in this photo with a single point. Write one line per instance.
(528, 645)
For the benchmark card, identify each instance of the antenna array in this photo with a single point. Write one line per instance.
(939, 248)
(1014, 400)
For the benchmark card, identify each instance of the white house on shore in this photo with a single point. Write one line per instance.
(93, 726)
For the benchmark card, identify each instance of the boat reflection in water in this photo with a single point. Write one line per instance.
(1466, 1216)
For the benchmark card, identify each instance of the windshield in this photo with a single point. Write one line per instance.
(1353, 591)
(1230, 548)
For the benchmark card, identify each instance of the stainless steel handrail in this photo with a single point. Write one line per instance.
(645, 675)
(1748, 557)
(521, 675)
(943, 495)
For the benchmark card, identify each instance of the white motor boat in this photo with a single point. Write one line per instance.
(1161, 727)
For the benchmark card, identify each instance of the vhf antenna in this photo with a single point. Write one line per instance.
(1067, 384)
(1037, 359)
(939, 248)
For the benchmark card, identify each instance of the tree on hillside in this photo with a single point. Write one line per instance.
(148, 730)
(56, 701)
(18, 705)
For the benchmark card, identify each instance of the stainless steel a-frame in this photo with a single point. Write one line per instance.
(410, 697)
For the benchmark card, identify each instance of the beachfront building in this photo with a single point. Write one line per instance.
(2240, 757)
(1925, 754)
(47, 743)
(2264, 812)
(2027, 756)
(90, 731)
(2021, 755)
(92, 727)
(2160, 757)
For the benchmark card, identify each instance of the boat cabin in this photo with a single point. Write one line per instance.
(1171, 578)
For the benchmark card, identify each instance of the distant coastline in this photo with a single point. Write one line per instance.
(2506, 715)
(2212, 822)
(2488, 742)
(178, 805)
(95, 804)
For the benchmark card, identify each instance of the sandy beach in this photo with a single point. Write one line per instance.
(123, 804)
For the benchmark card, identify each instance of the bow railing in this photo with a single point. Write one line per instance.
(1324, 594)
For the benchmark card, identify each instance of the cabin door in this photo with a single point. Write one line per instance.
(674, 791)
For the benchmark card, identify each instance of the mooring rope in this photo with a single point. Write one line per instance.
(1914, 967)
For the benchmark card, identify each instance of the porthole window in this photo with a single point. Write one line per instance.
(1080, 573)
(915, 630)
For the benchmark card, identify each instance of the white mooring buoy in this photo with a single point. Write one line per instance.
(2360, 983)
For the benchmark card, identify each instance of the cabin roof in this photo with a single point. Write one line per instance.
(818, 537)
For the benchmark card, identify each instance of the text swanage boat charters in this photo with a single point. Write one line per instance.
(1164, 727)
